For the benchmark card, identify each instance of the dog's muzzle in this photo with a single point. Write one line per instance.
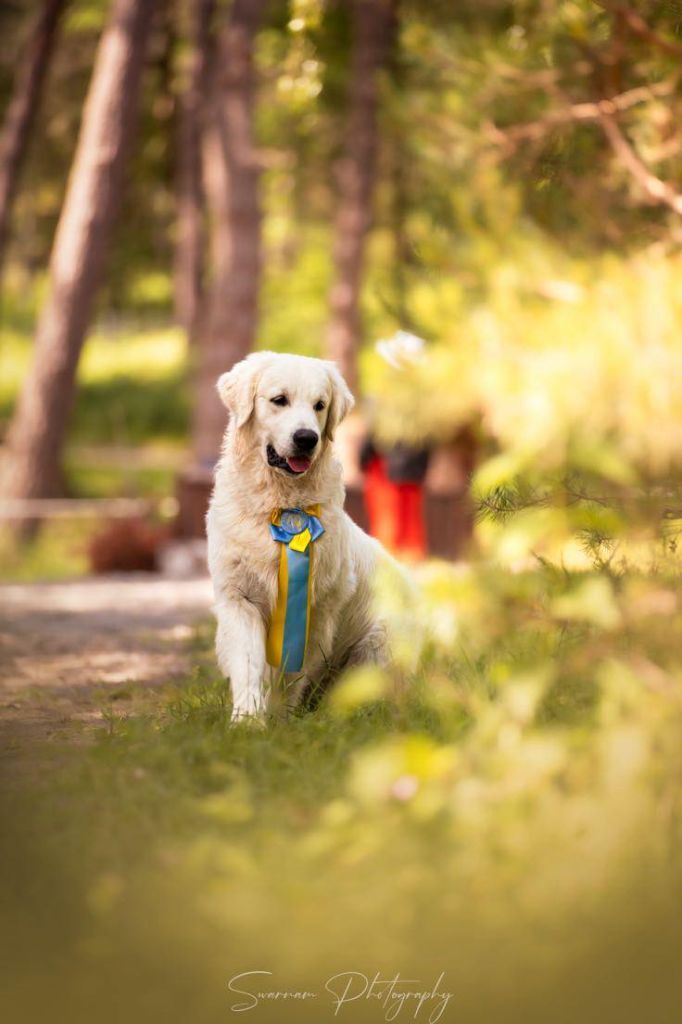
(294, 465)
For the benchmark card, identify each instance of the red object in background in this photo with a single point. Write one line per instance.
(380, 502)
(395, 511)
(411, 539)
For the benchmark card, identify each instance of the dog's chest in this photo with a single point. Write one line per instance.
(251, 563)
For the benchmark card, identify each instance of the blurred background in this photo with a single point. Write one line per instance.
(183, 183)
(219, 178)
(475, 208)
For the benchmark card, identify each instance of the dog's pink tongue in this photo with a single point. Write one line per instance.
(298, 464)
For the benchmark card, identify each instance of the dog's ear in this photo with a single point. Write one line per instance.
(237, 388)
(341, 402)
(237, 392)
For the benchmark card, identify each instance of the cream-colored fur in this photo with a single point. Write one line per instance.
(243, 557)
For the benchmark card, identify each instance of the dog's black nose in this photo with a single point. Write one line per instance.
(305, 440)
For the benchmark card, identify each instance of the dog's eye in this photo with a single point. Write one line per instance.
(280, 400)
(319, 406)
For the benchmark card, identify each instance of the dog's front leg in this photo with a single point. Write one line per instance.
(240, 648)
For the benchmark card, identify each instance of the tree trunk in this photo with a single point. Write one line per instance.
(189, 243)
(232, 188)
(36, 434)
(373, 23)
(22, 109)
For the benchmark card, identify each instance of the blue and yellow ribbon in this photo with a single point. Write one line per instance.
(296, 530)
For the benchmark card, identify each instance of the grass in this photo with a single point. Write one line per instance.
(112, 837)
(174, 851)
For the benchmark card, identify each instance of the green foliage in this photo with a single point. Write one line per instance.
(294, 298)
(456, 185)
(132, 383)
(563, 365)
(127, 432)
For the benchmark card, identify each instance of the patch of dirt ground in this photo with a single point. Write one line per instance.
(67, 647)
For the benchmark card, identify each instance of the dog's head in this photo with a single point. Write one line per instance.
(291, 405)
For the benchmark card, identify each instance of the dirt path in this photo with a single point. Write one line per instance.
(64, 647)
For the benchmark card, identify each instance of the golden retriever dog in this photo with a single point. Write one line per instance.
(277, 481)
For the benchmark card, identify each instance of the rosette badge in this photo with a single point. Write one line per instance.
(293, 522)
(295, 530)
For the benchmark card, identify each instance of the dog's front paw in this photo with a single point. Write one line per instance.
(247, 718)
(249, 711)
